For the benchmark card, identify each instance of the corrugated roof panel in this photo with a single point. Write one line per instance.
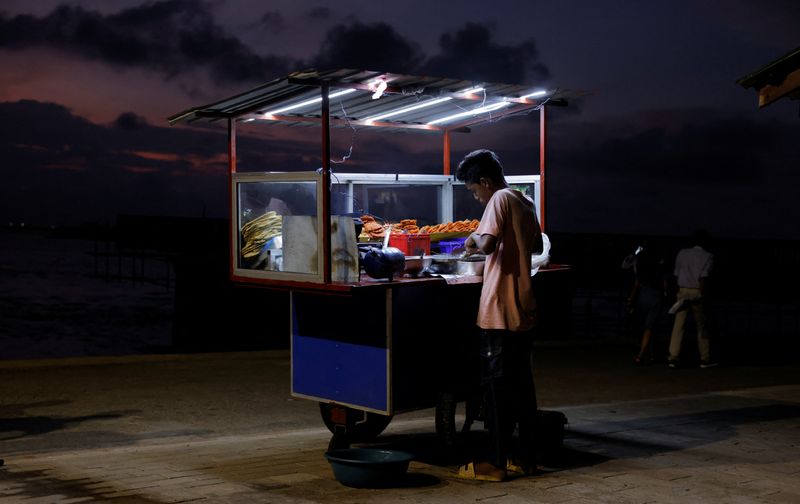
(403, 91)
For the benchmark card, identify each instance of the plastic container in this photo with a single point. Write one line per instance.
(448, 246)
(369, 467)
(411, 244)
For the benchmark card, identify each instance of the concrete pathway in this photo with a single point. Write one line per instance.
(733, 444)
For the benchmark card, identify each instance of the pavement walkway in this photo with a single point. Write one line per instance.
(719, 435)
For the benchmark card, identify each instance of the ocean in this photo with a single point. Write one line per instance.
(53, 304)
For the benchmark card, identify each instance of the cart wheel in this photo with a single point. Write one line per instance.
(365, 426)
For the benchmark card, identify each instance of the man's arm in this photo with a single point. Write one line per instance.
(484, 243)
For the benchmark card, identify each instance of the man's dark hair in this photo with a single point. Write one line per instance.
(479, 164)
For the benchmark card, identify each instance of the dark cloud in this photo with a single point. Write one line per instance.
(320, 13)
(169, 37)
(726, 172)
(59, 168)
(772, 22)
(733, 174)
(724, 150)
(372, 47)
(470, 53)
(273, 21)
(174, 36)
(130, 121)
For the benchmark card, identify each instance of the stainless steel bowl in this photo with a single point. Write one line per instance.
(454, 265)
(474, 268)
(416, 265)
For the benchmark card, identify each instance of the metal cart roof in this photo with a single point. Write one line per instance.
(359, 98)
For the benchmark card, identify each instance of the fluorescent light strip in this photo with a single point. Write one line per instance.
(479, 110)
(534, 94)
(309, 102)
(426, 103)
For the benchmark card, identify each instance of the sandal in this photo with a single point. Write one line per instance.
(467, 472)
(519, 467)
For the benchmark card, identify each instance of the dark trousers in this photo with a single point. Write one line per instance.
(509, 393)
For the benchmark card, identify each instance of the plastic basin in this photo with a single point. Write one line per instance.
(369, 467)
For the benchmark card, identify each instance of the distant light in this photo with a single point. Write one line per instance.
(249, 119)
(420, 105)
(534, 94)
(306, 103)
(379, 89)
(473, 112)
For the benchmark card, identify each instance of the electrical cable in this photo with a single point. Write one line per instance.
(352, 138)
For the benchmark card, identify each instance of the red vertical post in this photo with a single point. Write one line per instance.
(446, 153)
(232, 206)
(542, 165)
(326, 184)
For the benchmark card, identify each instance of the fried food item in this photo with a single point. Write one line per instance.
(406, 226)
(371, 230)
(465, 226)
(258, 231)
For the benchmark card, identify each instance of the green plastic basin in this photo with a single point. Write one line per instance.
(369, 467)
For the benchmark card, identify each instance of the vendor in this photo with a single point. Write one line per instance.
(508, 234)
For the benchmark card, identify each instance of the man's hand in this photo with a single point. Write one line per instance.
(471, 244)
(483, 243)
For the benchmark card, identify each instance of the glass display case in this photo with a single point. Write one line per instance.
(466, 207)
(430, 199)
(276, 235)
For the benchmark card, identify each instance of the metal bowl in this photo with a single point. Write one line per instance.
(466, 267)
(447, 264)
(416, 264)
(369, 467)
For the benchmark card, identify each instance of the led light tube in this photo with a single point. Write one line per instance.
(479, 110)
(534, 94)
(309, 102)
(427, 103)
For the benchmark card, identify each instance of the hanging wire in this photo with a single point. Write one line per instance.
(352, 138)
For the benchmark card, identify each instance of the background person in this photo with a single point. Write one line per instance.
(647, 297)
(508, 234)
(692, 268)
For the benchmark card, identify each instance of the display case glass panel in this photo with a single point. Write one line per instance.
(465, 206)
(276, 231)
(391, 202)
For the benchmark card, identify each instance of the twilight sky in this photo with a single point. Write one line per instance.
(666, 142)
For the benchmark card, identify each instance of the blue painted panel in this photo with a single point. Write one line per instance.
(338, 371)
(339, 349)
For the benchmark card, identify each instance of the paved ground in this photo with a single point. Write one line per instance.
(222, 428)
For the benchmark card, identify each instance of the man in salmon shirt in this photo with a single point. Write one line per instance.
(508, 234)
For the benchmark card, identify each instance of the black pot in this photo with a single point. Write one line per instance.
(384, 263)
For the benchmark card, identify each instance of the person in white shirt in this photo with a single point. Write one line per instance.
(692, 268)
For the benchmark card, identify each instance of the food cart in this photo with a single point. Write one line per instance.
(367, 348)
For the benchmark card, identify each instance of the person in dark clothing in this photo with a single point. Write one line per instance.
(647, 297)
(509, 233)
